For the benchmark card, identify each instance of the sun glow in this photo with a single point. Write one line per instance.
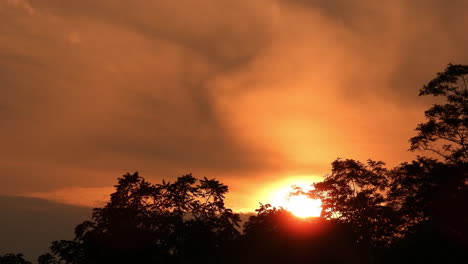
(299, 205)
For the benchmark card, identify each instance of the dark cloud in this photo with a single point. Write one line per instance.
(415, 38)
(345, 11)
(217, 30)
(88, 95)
(29, 225)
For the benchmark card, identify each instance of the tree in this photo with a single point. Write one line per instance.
(354, 194)
(13, 259)
(275, 235)
(413, 190)
(180, 222)
(446, 130)
(46, 259)
(430, 196)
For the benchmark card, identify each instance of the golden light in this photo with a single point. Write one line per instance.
(303, 206)
(300, 205)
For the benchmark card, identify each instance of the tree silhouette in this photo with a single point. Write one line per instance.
(446, 131)
(385, 206)
(354, 194)
(430, 198)
(13, 259)
(47, 259)
(275, 235)
(181, 222)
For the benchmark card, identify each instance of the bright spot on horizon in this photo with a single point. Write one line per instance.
(299, 205)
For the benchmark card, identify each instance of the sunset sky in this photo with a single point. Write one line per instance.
(256, 93)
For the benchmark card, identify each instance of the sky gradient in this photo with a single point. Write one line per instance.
(257, 94)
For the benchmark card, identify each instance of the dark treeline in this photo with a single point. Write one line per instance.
(413, 213)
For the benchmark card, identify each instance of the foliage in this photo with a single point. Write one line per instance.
(446, 130)
(427, 192)
(145, 223)
(430, 198)
(275, 235)
(13, 259)
(267, 220)
(47, 259)
(354, 194)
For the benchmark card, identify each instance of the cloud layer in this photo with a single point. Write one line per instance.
(245, 91)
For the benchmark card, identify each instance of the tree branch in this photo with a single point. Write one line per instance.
(437, 152)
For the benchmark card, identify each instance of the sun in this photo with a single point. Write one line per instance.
(303, 206)
(299, 205)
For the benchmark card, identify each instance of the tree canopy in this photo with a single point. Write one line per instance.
(446, 130)
(10, 258)
(145, 223)
(354, 193)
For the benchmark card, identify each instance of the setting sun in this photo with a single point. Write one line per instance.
(299, 205)
(303, 206)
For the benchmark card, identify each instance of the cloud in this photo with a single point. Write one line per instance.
(130, 90)
(237, 90)
(29, 225)
(89, 197)
(21, 4)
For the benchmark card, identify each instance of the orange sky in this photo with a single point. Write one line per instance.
(254, 93)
